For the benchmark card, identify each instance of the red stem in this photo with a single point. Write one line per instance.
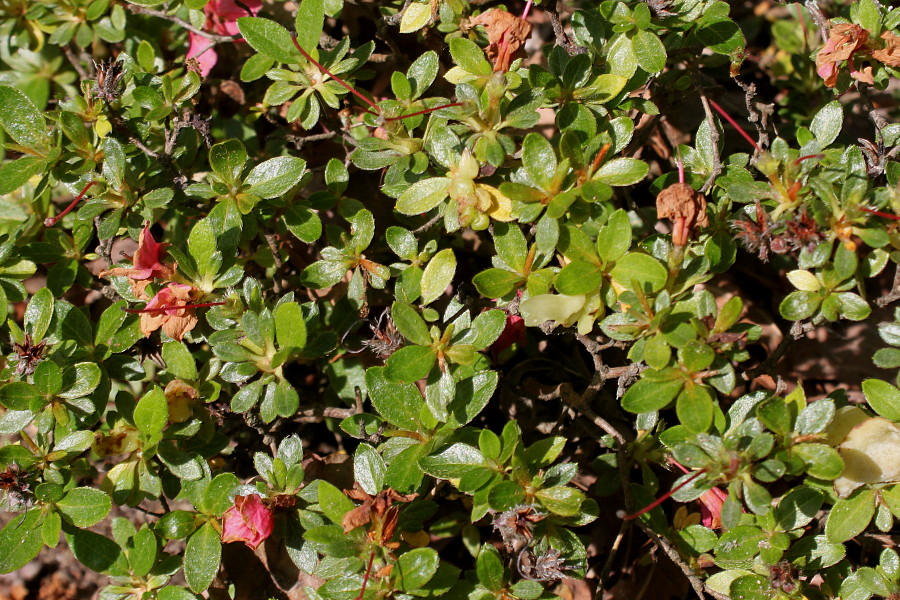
(365, 582)
(333, 76)
(137, 311)
(878, 213)
(664, 497)
(527, 10)
(422, 112)
(51, 221)
(734, 124)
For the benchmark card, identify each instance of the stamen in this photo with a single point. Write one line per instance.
(426, 111)
(680, 167)
(878, 213)
(734, 124)
(51, 221)
(138, 311)
(527, 9)
(661, 499)
(319, 66)
(807, 157)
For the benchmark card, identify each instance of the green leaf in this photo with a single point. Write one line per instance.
(303, 223)
(695, 407)
(642, 269)
(489, 568)
(883, 397)
(368, 469)
(453, 462)
(614, 239)
(410, 364)
(469, 56)
(827, 123)
(16, 173)
(647, 395)
(415, 17)
(485, 329)
(578, 277)
(398, 403)
(422, 72)
(269, 38)
(410, 324)
(496, 283)
(649, 50)
(423, 195)
(84, 507)
(179, 360)
(416, 568)
(333, 502)
(721, 35)
(561, 500)
(80, 380)
(437, 275)
(290, 327)
(850, 516)
(21, 540)
(151, 413)
(202, 557)
(622, 171)
(96, 552)
(23, 121)
(227, 158)
(276, 176)
(797, 508)
(308, 23)
(822, 462)
(799, 305)
(19, 395)
(39, 313)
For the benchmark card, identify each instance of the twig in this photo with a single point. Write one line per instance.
(431, 223)
(673, 555)
(894, 294)
(607, 566)
(213, 37)
(299, 141)
(276, 257)
(395, 19)
(714, 142)
(818, 18)
(759, 118)
(562, 38)
(76, 64)
(307, 415)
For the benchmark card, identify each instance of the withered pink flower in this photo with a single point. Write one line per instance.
(844, 39)
(147, 262)
(711, 507)
(249, 521)
(221, 19)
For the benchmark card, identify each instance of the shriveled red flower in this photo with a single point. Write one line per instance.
(249, 521)
(172, 310)
(148, 263)
(711, 507)
(221, 19)
(844, 40)
(506, 33)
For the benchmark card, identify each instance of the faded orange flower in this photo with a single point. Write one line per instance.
(843, 40)
(171, 309)
(890, 54)
(181, 398)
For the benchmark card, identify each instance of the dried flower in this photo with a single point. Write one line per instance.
(686, 207)
(377, 510)
(844, 39)
(221, 19)
(28, 355)
(890, 54)
(513, 333)
(249, 521)
(181, 398)
(171, 310)
(548, 566)
(147, 261)
(506, 34)
(711, 507)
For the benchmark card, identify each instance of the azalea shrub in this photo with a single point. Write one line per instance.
(349, 300)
